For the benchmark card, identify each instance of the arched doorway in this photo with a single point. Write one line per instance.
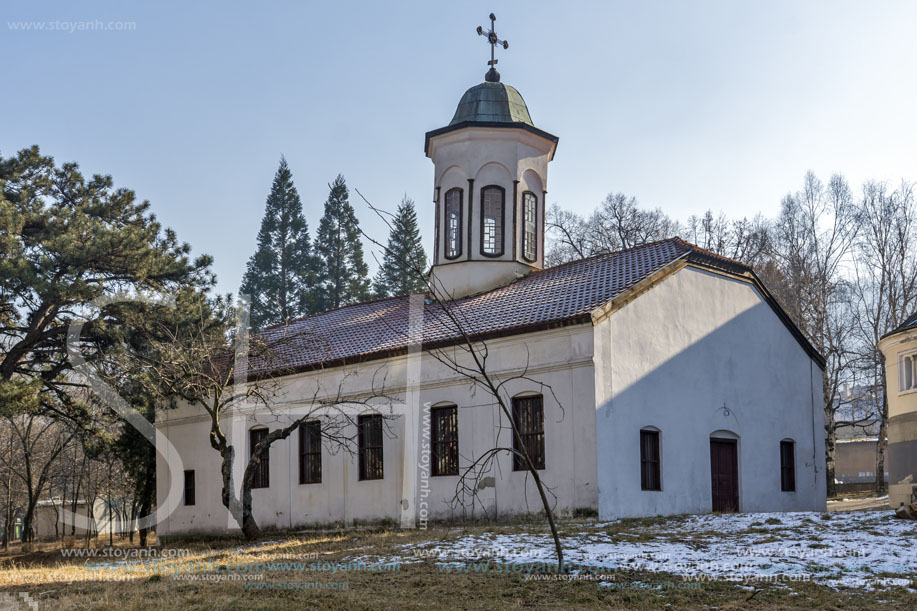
(724, 473)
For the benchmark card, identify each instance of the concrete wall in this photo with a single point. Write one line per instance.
(672, 359)
(560, 358)
(49, 521)
(855, 461)
(901, 459)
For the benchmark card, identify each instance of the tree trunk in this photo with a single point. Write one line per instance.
(882, 445)
(830, 444)
(239, 510)
(146, 505)
(8, 520)
(27, 521)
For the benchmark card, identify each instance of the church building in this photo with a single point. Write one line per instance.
(661, 379)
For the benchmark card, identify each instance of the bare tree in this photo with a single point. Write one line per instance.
(885, 268)
(14, 497)
(618, 223)
(195, 364)
(745, 240)
(811, 240)
(38, 442)
(467, 356)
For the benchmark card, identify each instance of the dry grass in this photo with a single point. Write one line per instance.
(80, 583)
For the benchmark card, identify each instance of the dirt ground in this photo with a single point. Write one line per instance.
(394, 569)
(858, 501)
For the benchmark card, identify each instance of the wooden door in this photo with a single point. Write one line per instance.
(724, 471)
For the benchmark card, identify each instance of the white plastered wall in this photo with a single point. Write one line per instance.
(672, 359)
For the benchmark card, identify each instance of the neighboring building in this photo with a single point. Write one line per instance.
(900, 350)
(51, 523)
(855, 464)
(857, 434)
(659, 380)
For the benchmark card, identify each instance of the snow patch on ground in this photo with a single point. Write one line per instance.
(862, 550)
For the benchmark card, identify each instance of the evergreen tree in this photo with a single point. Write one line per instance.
(281, 274)
(67, 241)
(404, 255)
(342, 273)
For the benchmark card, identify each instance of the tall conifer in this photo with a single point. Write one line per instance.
(280, 276)
(404, 255)
(342, 273)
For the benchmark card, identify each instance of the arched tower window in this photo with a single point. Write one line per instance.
(492, 205)
(453, 233)
(529, 224)
(907, 372)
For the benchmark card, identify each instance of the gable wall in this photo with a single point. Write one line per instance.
(671, 359)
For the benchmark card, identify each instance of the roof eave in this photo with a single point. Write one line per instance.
(491, 124)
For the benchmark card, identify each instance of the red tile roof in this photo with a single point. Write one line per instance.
(557, 296)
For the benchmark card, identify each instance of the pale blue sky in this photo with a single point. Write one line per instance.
(687, 105)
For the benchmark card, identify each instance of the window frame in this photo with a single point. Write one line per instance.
(651, 460)
(189, 500)
(310, 456)
(907, 368)
(500, 231)
(459, 229)
(369, 448)
(444, 451)
(262, 477)
(534, 222)
(787, 471)
(533, 439)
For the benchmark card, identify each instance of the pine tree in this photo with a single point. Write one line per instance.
(404, 255)
(281, 274)
(342, 273)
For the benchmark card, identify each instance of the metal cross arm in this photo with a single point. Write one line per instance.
(492, 39)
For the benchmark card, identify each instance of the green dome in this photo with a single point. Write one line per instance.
(492, 103)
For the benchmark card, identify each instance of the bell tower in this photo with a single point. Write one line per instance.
(490, 183)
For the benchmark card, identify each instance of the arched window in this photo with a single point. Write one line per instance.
(528, 417)
(262, 478)
(907, 372)
(444, 445)
(529, 233)
(650, 459)
(453, 233)
(310, 452)
(369, 444)
(788, 465)
(492, 204)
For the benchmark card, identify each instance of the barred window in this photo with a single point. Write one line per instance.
(787, 466)
(453, 248)
(189, 487)
(529, 235)
(310, 452)
(528, 416)
(650, 476)
(370, 446)
(444, 450)
(262, 470)
(492, 220)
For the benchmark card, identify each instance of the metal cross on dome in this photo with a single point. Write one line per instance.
(493, 40)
